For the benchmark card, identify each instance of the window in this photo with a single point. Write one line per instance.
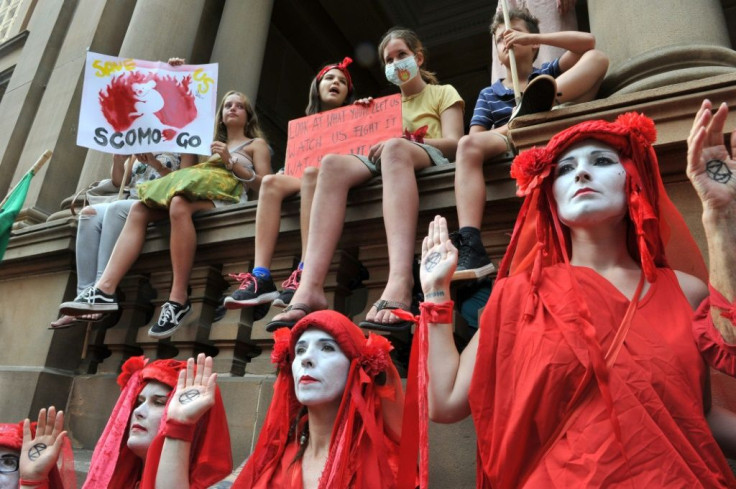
(8, 11)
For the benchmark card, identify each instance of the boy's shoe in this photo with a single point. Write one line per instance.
(89, 300)
(288, 288)
(253, 290)
(172, 314)
(539, 96)
(473, 262)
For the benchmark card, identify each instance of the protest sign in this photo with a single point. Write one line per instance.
(135, 106)
(346, 130)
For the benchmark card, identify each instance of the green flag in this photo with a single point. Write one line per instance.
(10, 210)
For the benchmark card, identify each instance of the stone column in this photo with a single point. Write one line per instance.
(660, 42)
(241, 44)
(158, 30)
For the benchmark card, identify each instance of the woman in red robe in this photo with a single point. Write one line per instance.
(335, 418)
(588, 369)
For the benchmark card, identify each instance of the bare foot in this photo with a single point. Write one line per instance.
(392, 295)
(314, 299)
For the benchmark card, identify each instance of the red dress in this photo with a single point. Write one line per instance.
(530, 367)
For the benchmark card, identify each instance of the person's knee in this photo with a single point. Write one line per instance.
(87, 212)
(180, 208)
(396, 155)
(332, 167)
(269, 186)
(597, 59)
(310, 175)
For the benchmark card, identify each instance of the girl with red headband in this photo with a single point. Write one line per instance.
(433, 123)
(588, 369)
(151, 430)
(335, 417)
(330, 89)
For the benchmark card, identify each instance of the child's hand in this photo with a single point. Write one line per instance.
(220, 148)
(512, 38)
(439, 260)
(176, 61)
(364, 101)
(146, 158)
(40, 453)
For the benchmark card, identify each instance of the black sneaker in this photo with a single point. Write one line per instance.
(288, 288)
(539, 96)
(253, 290)
(172, 314)
(473, 261)
(89, 300)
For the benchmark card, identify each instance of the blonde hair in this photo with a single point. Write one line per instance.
(252, 127)
(415, 46)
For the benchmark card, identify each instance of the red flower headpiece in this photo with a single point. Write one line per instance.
(342, 66)
(11, 435)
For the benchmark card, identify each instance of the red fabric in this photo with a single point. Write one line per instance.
(11, 435)
(114, 466)
(342, 66)
(531, 365)
(178, 431)
(415, 428)
(719, 354)
(362, 455)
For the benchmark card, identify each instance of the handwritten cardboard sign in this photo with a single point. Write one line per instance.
(347, 130)
(135, 106)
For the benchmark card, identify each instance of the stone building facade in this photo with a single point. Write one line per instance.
(666, 56)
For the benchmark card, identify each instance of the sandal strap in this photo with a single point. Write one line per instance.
(299, 306)
(382, 304)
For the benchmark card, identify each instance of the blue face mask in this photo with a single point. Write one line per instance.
(402, 71)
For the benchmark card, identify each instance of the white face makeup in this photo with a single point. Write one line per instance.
(589, 185)
(8, 461)
(146, 417)
(333, 89)
(320, 369)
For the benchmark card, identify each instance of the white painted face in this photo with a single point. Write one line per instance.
(146, 417)
(9, 474)
(320, 369)
(589, 185)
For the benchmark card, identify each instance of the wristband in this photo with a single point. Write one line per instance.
(179, 431)
(728, 310)
(43, 483)
(437, 313)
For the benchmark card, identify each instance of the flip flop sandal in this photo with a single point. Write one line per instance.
(297, 306)
(64, 322)
(388, 305)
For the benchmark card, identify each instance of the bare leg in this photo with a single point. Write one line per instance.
(129, 246)
(337, 175)
(309, 184)
(183, 243)
(399, 160)
(581, 82)
(470, 186)
(274, 189)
